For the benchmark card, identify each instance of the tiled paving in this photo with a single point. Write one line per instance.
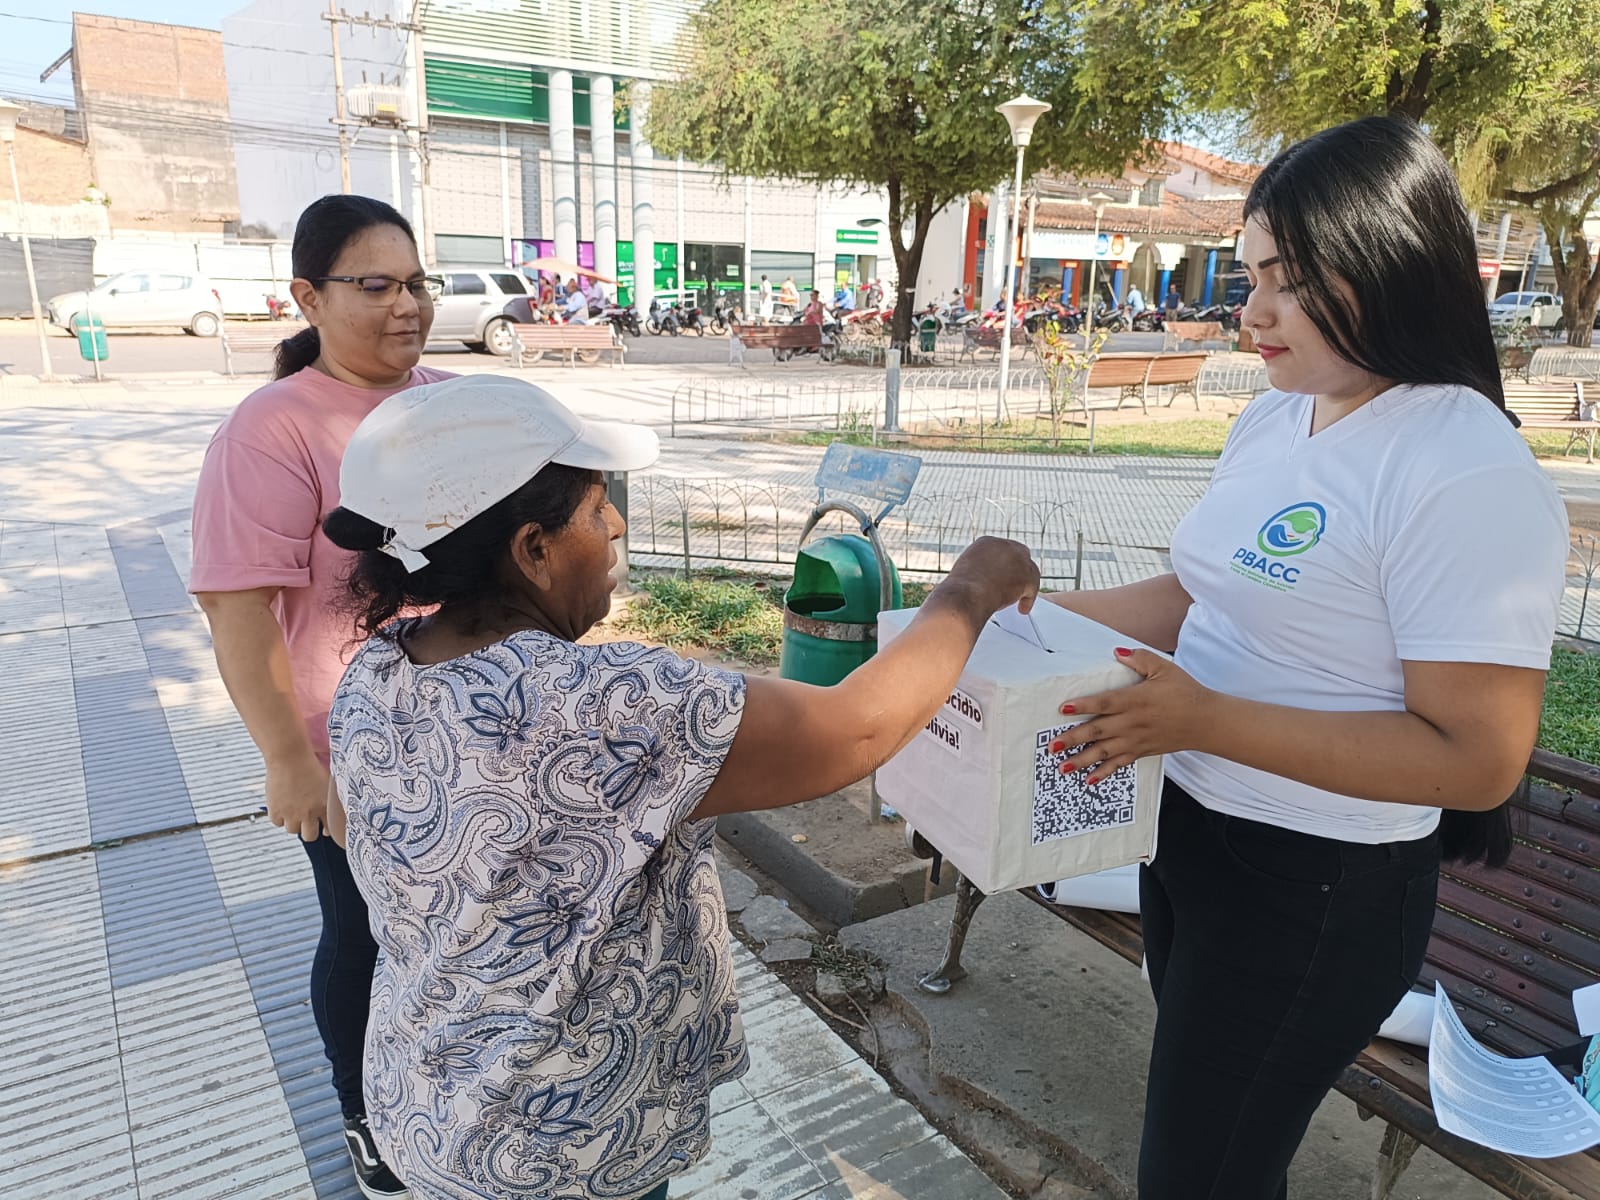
(155, 933)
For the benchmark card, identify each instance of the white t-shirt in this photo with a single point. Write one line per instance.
(1417, 528)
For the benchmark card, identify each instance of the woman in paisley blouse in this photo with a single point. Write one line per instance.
(528, 817)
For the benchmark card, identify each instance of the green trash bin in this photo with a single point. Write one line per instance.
(928, 334)
(830, 613)
(91, 333)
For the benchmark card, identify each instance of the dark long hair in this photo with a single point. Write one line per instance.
(1372, 204)
(324, 230)
(463, 565)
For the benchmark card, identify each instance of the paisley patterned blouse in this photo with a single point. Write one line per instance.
(554, 999)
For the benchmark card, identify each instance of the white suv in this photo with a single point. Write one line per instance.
(136, 299)
(473, 306)
(1541, 310)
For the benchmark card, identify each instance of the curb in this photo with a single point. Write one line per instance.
(766, 839)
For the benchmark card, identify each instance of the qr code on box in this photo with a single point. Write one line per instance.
(1064, 805)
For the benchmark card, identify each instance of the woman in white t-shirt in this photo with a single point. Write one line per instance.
(1362, 608)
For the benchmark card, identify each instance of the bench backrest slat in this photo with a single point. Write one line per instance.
(1515, 941)
(1176, 368)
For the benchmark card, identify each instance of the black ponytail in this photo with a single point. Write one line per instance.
(463, 566)
(295, 354)
(324, 230)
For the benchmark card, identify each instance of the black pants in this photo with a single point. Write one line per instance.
(1274, 957)
(341, 971)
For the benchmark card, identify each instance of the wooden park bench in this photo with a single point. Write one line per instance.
(1516, 361)
(1509, 945)
(1133, 375)
(783, 340)
(984, 337)
(1198, 332)
(529, 343)
(1558, 406)
(254, 339)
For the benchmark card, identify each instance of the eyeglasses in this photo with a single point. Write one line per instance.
(385, 289)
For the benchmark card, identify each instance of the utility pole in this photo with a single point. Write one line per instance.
(336, 17)
(341, 118)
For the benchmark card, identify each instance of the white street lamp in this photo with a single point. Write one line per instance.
(1022, 114)
(9, 113)
(1099, 200)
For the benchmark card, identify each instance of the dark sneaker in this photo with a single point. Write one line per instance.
(373, 1176)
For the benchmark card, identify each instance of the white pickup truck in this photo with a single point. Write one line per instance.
(1541, 310)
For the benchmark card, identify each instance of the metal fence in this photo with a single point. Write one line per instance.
(691, 525)
(954, 402)
(1565, 362)
(685, 523)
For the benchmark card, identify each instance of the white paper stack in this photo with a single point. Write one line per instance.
(980, 782)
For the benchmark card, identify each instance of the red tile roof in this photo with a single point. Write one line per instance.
(1213, 164)
(1173, 217)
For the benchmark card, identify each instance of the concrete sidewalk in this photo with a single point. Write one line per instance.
(153, 1010)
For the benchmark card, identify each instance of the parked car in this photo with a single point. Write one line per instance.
(472, 309)
(142, 299)
(1541, 310)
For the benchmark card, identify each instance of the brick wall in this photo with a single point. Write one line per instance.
(155, 104)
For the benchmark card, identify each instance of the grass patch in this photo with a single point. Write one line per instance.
(1196, 437)
(1570, 723)
(740, 618)
(1552, 443)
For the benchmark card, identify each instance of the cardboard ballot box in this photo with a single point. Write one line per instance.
(979, 782)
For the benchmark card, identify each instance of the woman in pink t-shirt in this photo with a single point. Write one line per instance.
(271, 584)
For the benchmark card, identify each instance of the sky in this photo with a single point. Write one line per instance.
(32, 36)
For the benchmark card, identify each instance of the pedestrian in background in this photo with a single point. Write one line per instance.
(815, 313)
(764, 301)
(271, 584)
(789, 296)
(1135, 300)
(1174, 300)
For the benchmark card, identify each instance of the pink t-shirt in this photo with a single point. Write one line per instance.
(270, 474)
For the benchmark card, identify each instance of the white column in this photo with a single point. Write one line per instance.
(505, 195)
(644, 213)
(603, 139)
(563, 159)
(749, 235)
(998, 249)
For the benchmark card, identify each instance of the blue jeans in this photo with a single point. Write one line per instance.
(341, 971)
(1274, 957)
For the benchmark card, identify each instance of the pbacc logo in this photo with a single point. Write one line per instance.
(1286, 533)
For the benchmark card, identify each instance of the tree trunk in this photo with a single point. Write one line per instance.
(1577, 274)
(907, 259)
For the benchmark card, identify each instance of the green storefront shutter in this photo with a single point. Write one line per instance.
(487, 90)
(582, 112)
(541, 96)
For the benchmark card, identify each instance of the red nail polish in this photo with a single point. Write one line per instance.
(1068, 709)
(1124, 652)
(1067, 768)
(1091, 780)
(1057, 747)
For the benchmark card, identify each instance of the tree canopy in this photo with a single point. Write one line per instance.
(1508, 89)
(892, 94)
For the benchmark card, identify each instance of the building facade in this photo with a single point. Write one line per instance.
(1173, 220)
(153, 102)
(523, 137)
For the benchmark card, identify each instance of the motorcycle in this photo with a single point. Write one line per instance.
(691, 318)
(663, 318)
(725, 316)
(1151, 320)
(624, 319)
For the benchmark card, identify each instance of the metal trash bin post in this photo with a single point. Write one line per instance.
(842, 582)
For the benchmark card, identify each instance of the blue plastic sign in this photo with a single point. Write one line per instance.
(884, 475)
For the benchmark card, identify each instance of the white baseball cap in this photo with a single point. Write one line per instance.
(429, 459)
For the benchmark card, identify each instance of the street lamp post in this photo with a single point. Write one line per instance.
(9, 113)
(1021, 113)
(1100, 200)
